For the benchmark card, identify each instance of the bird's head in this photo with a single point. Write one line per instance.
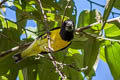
(68, 26)
(67, 30)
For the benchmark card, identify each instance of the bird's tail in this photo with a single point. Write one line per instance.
(17, 57)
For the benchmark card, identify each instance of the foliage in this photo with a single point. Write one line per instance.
(84, 51)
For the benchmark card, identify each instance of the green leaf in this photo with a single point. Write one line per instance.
(32, 72)
(0, 24)
(112, 31)
(78, 42)
(4, 68)
(87, 17)
(31, 32)
(13, 73)
(27, 6)
(24, 5)
(11, 24)
(46, 67)
(20, 75)
(73, 74)
(117, 23)
(18, 4)
(75, 58)
(102, 53)
(90, 53)
(70, 12)
(21, 20)
(113, 34)
(108, 8)
(112, 55)
(12, 37)
(12, 34)
(3, 78)
(50, 3)
(117, 4)
(97, 27)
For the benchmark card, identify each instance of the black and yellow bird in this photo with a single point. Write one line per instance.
(60, 39)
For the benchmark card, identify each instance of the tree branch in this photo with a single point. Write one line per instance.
(2, 54)
(62, 64)
(8, 38)
(89, 26)
(2, 2)
(101, 6)
(68, 2)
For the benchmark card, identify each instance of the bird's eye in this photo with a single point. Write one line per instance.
(68, 25)
(69, 28)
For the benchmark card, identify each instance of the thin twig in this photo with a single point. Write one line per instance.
(5, 36)
(49, 44)
(56, 67)
(14, 49)
(113, 15)
(101, 38)
(46, 25)
(102, 6)
(89, 26)
(62, 64)
(113, 40)
(9, 38)
(96, 3)
(44, 16)
(86, 27)
(68, 2)
(2, 2)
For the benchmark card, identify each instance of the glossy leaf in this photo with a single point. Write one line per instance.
(46, 67)
(108, 8)
(20, 75)
(87, 17)
(75, 58)
(116, 5)
(79, 41)
(0, 24)
(112, 31)
(32, 72)
(90, 53)
(112, 55)
(13, 73)
(102, 53)
(21, 20)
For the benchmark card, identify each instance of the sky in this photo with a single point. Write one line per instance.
(102, 72)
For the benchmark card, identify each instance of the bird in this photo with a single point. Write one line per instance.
(60, 38)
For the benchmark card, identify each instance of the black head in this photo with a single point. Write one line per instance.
(67, 30)
(68, 25)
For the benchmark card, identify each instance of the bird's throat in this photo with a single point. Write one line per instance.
(67, 36)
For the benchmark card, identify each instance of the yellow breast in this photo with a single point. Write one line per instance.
(57, 42)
